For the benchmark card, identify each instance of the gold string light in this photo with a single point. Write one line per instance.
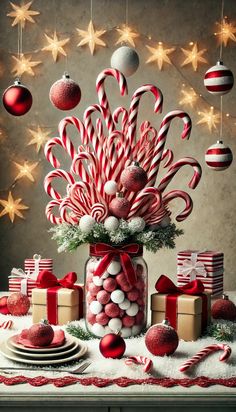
(55, 45)
(210, 118)
(22, 13)
(24, 65)
(159, 55)
(189, 97)
(12, 207)
(25, 170)
(226, 33)
(126, 35)
(40, 137)
(91, 37)
(193, 56)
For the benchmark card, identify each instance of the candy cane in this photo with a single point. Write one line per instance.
(55, 220)
(68, 218)
(102, 97)
(51, 158)
(136, 206)
(161, 140)
(75, 197)
(174, 194)
(7, 324)
(205, 352)
(140, 360)
(67, 144)
(58, 173)
(99, 211)
(124, 120)
(167, 153)
(176, 167)
(79, 169)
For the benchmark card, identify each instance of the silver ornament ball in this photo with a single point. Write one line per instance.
(126, 60)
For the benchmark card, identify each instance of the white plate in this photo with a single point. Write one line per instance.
(16, 358)
(68, 342)
(51, 355)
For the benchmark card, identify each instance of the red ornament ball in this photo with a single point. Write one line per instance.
(218, 156)
(224, 309)
(17, 99)
(134, 177)
(18, 304)
(119, 206)
(3, 305)
(65, 94)
(219, 79)
(161, 339)
(112, 346)
(41, 334)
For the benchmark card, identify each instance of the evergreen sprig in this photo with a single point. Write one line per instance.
(79, 332)
(222, 331)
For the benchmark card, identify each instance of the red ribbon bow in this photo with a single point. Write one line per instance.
(165, 285)
(47, 279)
(124, 253)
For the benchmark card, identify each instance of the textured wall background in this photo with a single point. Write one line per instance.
(212, 223)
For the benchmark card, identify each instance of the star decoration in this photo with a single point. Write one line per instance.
(25, 170)
(24, 65)
(127, 35)
(193, 56)
(159, 55)
(12, 207)
(55, 45)
(210, 118)
(39, 137)
(22, 13)
(92, 37)
(226, 33)
(189, 97)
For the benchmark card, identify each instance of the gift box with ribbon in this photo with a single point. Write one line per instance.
(19, 281)
(36, 264)
(57, 300)
(206, 266)
(187, 308)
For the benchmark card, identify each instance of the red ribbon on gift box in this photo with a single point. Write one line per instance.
(47, 280)
(124, 253)
(196, 287)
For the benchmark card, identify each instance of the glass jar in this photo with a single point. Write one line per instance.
(116, 299)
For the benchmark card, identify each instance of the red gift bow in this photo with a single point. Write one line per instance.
(124, 253)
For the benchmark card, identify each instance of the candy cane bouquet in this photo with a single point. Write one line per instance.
(114, 201)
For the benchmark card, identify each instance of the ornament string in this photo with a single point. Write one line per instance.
(91, 10)
(221, 55)
(127, 13)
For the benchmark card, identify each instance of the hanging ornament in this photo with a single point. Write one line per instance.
(17, 99)
(65, 93)
(161, 339)
(218, 156)
(219, 79)
(41, 334)
(134, 177)
(112, 346)
(224, 309)
(126, 60)
(18, 304)
(110, 187)
(119, 206)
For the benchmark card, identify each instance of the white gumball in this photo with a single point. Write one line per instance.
(125, 304)
(126, 60)
(137, 224)
(133, 309)
(86, 223)
(105, 275)
(95, 307)
(117, 296)
(126, 332)
(111, 223)
(115, 324)
(114, 267)
(165, 222)
(110, 187)
(136, 329)
(98, 330)
(98, 281)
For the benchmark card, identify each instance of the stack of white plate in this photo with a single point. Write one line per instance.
(71, 350)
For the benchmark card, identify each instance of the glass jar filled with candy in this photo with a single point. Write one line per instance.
(116, 290)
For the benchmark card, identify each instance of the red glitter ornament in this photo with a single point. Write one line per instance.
(65, 94)
(224, 309)
(161, 339)
(17, 99)
(3, 305)
(112, 346)
(41, 334)
(18, 304)
(134, 177)
(119, 206)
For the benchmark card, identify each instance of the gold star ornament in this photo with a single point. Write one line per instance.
(194, 56)
(12, 207)
(55, 46)
(210, 118)
(127, 36)
(40, 137)
(159, 55)
(22, 13)
(226, 33)
(24, 65)
(25, 170)
(91, 37)
(188, 98)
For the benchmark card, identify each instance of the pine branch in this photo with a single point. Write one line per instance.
(79, 332)
(222, 331)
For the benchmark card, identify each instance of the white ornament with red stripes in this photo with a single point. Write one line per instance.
(219, 79)
(218, 156)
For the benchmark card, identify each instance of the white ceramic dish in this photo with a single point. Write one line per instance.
(51, 355)
(68, 342)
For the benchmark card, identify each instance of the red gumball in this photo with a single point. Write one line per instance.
(109, 284)
(91, 318)
(17, 99)
(112, 310)
(65, 94)
(134, 178)
(161, 339)
(3, 305)
(93, 289)
(102, 318)
(128, 321)
(103, 297)
(112, 346)
(18, 304)
(119, 206)
(139, 318)
(133, 295)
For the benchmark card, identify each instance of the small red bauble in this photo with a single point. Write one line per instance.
(18, 304)
(219, 79)
(41, 334)
(65, 94)
(119, 206)
(3, 305)
(17, 99)
(161, 339)
(224, 309)
(218, 156)
(112, 346)
(134, 178)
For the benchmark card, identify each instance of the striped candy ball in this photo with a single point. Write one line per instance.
(218, 156)
(219, 79)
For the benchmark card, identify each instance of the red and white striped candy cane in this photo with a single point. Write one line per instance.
(92, 135)
(157, 216)
(124, 120)
(167, 153)
(99, 211)
(71, 218)
(205, 352)
(137, 207)
(176, 167)
(67, 144)
(51, 158)
(55, 220)
(85, 173)
(58, 173)
(7, 324)
(102, 97)
(161, 140)
(174, 194)
(140, 360)
(82, 205)
(115, 154)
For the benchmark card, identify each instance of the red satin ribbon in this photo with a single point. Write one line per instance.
(124, 253)
(196, 287)
(47, 280)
